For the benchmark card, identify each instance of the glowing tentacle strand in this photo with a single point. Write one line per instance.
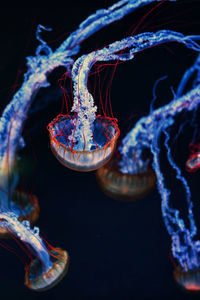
(49, 266)
(102, 18)
(83, 105)
(179, 176)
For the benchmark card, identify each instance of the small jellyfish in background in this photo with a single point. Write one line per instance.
(49, 265)
(125, 186)
(129, 176)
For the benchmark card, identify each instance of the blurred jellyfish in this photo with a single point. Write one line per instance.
(126, 187)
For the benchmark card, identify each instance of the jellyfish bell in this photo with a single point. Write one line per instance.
(189, 280)
(125, 187)
(25, 206)
(40, 278)
(105, 135)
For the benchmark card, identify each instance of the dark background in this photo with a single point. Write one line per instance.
(117, 250)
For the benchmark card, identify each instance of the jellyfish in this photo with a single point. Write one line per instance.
(125, 187)
(50, 264)
(84, 159)
(15, 113)
(82, 140)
